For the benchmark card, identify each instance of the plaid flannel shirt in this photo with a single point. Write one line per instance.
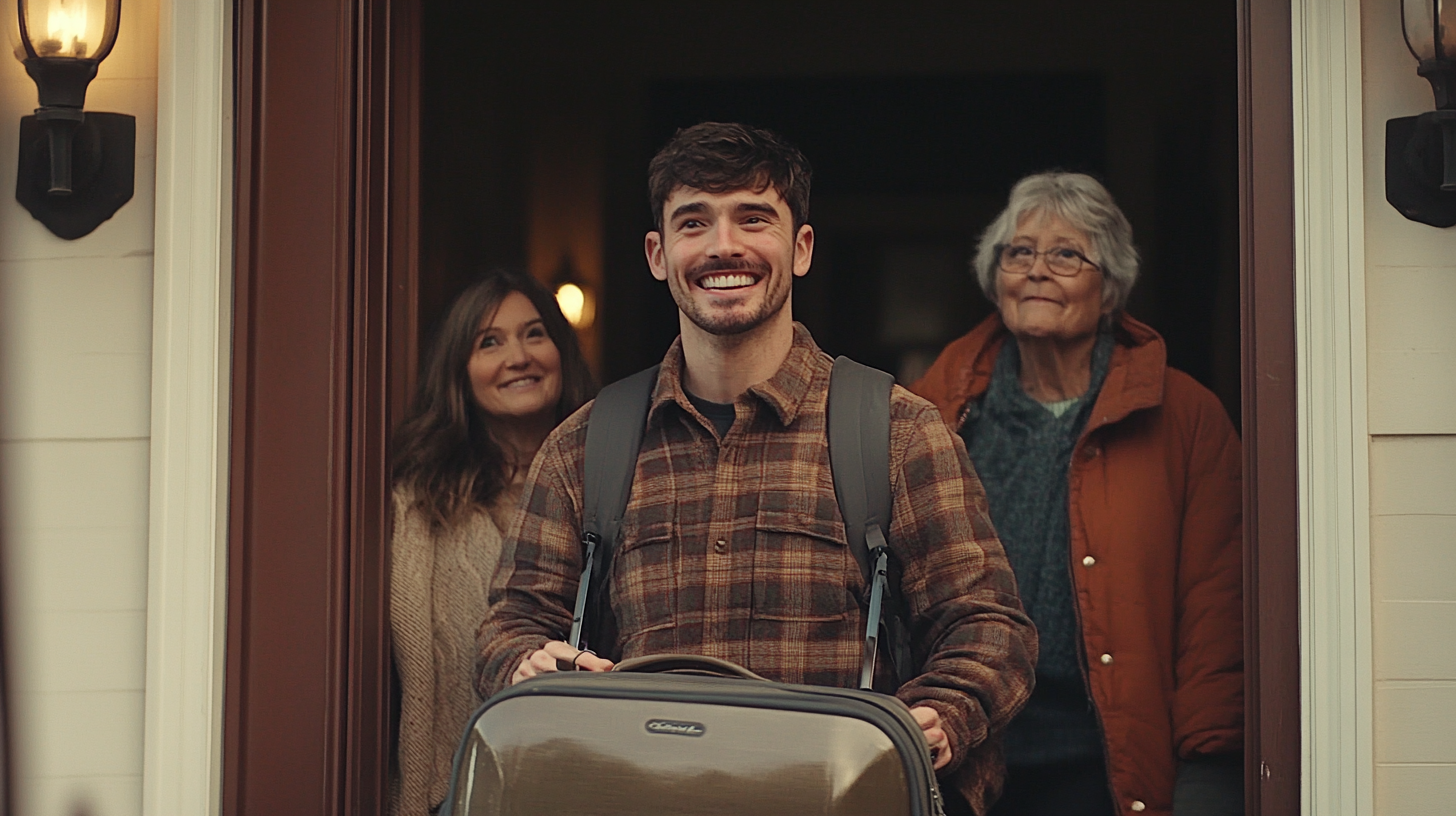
(735, 548)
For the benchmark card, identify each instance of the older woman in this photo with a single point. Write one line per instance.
(1114, 483)
(504, 370)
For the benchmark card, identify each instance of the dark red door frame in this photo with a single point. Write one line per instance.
(323, 349)
(1271, 502)
(321, 345)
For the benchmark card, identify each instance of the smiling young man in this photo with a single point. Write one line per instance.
(733, 545)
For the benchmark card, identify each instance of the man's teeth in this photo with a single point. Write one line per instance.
(726, 281)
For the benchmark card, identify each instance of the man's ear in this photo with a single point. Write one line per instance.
(803, 250)
(656, 261)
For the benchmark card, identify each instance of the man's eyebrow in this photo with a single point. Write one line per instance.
(756, 207)
(690, 207)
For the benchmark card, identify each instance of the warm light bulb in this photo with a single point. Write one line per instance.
(572, 302)
(65, 26)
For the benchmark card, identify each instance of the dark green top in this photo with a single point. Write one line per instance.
(1022, 452)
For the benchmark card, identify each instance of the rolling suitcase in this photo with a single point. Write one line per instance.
(690, 736)
(685, 734)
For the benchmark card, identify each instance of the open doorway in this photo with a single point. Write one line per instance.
(512, 98)
(537, 122)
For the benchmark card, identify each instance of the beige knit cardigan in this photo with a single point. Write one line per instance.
(439, 583)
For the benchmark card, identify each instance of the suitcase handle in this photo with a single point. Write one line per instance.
(686, 664)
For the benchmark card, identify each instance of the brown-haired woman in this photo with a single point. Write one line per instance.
(504, 370)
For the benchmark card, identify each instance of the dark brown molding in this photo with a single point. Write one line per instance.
(1271, 502)
(321, 311)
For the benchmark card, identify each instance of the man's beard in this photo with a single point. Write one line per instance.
(727, 322)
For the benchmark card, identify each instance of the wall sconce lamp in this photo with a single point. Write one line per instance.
(1420, 151)
(574, 296)
(77, 168)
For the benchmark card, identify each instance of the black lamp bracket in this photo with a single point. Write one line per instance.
(1420, 153)
(1441, 73)
(62, 81)
(1432, 148)
(76, 168)
(102, 161)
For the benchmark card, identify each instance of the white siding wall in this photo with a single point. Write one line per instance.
(1411, 324)
(75, 355)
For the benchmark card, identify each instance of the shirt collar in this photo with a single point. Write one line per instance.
(784, 392)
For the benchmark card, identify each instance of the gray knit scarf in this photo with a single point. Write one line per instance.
(1022, 452)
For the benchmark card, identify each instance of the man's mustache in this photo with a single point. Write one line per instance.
(728, 265)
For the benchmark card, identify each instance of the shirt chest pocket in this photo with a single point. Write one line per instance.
(802, 570)
(645, 574)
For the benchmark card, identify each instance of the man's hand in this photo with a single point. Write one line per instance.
(546, 658)
(935, 737)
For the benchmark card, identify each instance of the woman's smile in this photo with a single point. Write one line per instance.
(522, 382)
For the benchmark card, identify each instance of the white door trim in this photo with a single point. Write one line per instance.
(1334, 495)
(191, 350)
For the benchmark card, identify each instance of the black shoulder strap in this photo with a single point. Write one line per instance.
(859, 453)
(613, 436)
(859, 456)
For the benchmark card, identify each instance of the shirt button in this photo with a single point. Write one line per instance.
(1138, 806)
(1090, 452)
(1107, 660)
(720, 546)
(1088, 561)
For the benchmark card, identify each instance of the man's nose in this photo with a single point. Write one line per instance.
(725, 241)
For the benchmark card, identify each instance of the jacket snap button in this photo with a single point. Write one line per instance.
(720, 546)
(1138, 806)
(1088, 561)
(1107, 660)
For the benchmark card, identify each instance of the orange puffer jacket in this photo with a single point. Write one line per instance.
(1155, 505)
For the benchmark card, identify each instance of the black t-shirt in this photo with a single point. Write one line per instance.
(719, 413)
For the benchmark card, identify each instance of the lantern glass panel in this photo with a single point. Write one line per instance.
(73, 29)
(1446, 39)
(1418, 19)
(12, 33)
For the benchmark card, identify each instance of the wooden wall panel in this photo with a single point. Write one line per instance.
(1412, 347)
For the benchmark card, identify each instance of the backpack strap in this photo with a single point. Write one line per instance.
(613, 436)
(859, 456)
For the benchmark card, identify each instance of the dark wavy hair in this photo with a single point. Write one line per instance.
(719, 157)
(444, 454)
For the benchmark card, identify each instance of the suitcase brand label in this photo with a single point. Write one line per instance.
(678, 727)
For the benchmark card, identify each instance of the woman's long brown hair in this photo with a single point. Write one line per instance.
(444, 454)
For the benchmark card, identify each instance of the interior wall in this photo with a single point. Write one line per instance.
(504, 80)
(75, 333)
(1411, 307)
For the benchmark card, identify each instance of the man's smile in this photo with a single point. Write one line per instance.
(727, 280)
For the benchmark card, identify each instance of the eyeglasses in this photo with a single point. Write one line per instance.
(1064, 261)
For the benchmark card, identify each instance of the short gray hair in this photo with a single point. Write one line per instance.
(1081, 201)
